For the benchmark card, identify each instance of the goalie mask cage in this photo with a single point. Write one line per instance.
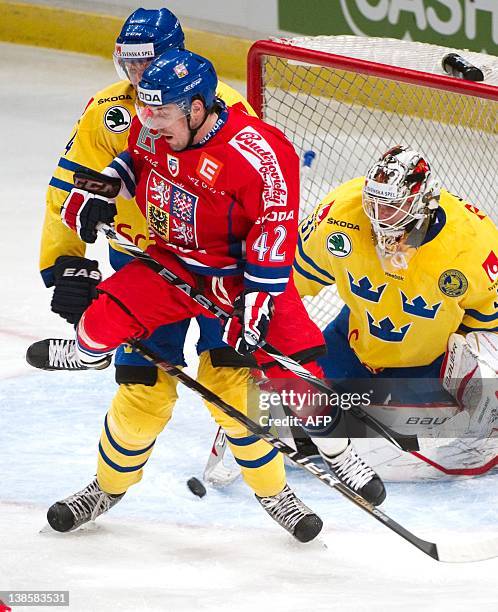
(349, 99)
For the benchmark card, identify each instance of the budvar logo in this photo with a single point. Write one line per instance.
(259, 153)
(460, 20)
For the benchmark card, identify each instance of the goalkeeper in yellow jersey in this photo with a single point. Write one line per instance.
(145, 397)
(417, 270)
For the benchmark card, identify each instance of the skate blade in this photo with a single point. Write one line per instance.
(316, 544)
(90, 527)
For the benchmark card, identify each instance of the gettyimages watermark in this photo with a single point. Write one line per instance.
(308, 408)
(296, 404)
(10, 599)
(408, 406)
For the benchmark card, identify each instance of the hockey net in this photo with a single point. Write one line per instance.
(348, 99)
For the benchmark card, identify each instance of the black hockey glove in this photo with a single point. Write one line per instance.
(83, 211)
(75, 280)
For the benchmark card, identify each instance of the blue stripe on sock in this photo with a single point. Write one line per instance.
(255, 463)
(243, 441)
(119, 468)
(120, 449)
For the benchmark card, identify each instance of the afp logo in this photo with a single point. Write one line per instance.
(150, 96)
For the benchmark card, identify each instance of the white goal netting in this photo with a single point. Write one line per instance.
(326, 94)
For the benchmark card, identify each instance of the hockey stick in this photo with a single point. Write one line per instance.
(448, 552)
(101, 184)
(402, 441)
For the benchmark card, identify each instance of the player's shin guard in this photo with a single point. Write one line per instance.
(261, 465)
(104, 325)
(88, 351)
(137, 415)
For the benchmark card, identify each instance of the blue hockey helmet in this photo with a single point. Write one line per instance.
(145, 35)
(178, 77)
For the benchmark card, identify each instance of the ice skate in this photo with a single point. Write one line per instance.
(81, 507)
(351, 470)
(292, 514)
(59, 354)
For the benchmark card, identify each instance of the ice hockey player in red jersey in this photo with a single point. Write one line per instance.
(219, 190)
(146, 396)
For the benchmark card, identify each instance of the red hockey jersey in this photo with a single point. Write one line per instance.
(226, 206)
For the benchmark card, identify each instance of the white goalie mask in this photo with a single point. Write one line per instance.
(399, 196)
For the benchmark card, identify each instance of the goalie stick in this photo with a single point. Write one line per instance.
(216, 472)
(98, 184)
(454, 552)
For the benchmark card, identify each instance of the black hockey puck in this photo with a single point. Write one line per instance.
(196, 486)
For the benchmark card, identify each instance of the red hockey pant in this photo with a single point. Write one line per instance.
(135, 301)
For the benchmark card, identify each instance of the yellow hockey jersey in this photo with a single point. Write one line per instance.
(403, 318)
(100, 134)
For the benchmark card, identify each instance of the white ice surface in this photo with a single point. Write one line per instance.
(161, 548)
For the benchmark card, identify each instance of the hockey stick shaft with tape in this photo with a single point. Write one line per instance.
(101, 184)
(402, 441)
(454, 552)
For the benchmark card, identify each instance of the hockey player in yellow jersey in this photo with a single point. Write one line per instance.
(145, 397)
(417, 270)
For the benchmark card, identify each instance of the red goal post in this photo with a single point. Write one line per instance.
(348, 99)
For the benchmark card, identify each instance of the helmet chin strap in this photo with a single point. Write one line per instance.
(193, 131)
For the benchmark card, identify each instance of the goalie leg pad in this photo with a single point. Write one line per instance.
(469, 374)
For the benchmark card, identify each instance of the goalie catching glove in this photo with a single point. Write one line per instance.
(75, 286)
(83, 211)
(247, 328)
